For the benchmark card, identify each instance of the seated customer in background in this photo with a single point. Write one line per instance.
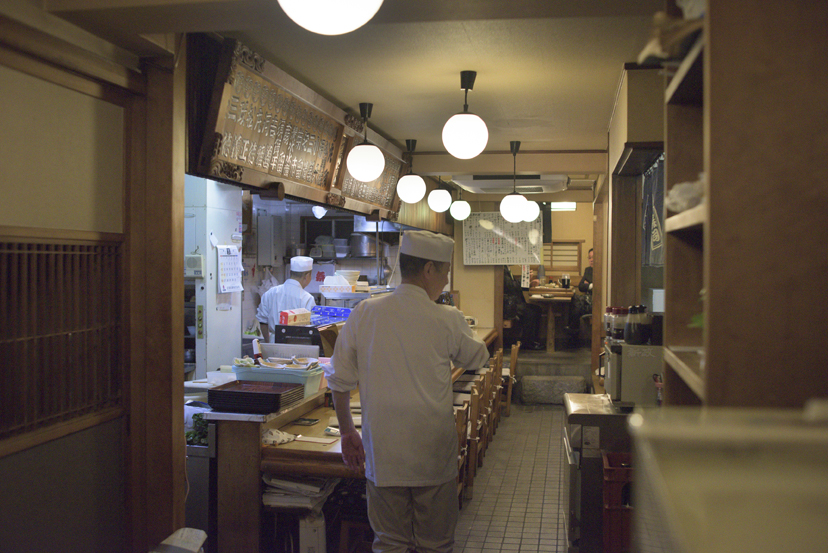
(582, 303)
(527, 315)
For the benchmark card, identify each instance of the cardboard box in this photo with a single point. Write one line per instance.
(299, 316)
(339, 289)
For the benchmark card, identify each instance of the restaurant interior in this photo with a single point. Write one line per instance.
(638, 217)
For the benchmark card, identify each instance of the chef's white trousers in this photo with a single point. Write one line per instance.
(422, 518)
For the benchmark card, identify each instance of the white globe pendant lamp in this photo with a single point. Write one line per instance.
(365, 162)
(531, 211)
(460, 210)
(330, 17)
(465, 134)
(411, 188)
(439, 200)
(513, 205)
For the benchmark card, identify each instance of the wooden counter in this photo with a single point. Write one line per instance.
(241, 459)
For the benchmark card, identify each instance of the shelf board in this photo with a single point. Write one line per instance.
(693, 218)
(686, 361)
(687, 85)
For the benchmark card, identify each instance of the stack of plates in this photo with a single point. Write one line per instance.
(243, 396)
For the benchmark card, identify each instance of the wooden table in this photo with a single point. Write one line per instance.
(556, 301)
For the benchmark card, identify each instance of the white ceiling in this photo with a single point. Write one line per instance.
(547, 70)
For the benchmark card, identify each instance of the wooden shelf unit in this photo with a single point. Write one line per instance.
(757, 245)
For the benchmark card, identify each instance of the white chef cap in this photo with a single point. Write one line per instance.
(301, 264)
(427, 245)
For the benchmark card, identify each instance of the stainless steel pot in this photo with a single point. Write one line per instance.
(365, 245)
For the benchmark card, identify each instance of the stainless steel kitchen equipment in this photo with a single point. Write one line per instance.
(629, 372)
(364, 245)
(591, 425)
(200, 506)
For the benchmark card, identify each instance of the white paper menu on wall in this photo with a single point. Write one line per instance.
(489, 239)
(229, 269)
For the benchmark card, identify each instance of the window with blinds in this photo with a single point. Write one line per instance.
(563, 256)
(61, 330)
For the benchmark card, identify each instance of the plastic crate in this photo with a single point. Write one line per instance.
(310, 379)
(617, 466)
(618, 477)
(333, 312)
(617, 529)
(617, 493)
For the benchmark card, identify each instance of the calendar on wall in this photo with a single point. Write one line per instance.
(229, 269)
(489, 239)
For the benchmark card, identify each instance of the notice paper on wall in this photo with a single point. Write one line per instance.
(229, 269)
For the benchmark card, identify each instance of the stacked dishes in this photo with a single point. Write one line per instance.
(350, 276)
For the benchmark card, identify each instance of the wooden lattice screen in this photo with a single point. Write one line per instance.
(60, 330)
(562, 256)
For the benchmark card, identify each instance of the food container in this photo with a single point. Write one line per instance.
(310, 379)
(300, 316)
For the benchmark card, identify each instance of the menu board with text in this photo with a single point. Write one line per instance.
(489, 239)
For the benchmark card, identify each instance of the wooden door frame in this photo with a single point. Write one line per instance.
(154, 151)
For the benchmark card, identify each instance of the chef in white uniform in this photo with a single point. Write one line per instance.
(290, 295)
(398, 349)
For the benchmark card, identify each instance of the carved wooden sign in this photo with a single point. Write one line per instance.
(262, 132)
(263, 127)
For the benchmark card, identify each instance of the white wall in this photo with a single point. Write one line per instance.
(62, 157)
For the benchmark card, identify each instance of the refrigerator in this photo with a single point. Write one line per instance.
(212, 226)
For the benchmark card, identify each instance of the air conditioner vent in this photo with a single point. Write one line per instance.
(502, 184)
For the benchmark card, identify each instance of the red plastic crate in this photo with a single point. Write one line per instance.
(617, 494)
(617, 466)
(617, 529)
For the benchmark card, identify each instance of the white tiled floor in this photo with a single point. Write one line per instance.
(518, 498)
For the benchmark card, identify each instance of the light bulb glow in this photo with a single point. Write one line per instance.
(460, 210)
(531, 211)
(465, 135)
(318, 211)
(411, 188)
(365, 162)
(439, 200)
(330, 17)
(562, 206)
(512, 207)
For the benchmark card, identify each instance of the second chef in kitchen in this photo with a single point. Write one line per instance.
(290, 295)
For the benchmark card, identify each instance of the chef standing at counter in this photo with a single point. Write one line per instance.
(398, 349)
(290, 295)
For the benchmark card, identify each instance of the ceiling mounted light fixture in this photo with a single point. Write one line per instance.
(465, 134)
(531, 211)
(513, 205)
(460, 209)
(330, 17)
(365, 162)
(562, 206)
(411, 188)
(439, 199)
(318, 211)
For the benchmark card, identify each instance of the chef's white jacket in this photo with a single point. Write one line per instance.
(398, 349)
(289, 295)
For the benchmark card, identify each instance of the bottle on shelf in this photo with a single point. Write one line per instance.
(646, 324)
(619, 319)
(632, 326)
(608, 321)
